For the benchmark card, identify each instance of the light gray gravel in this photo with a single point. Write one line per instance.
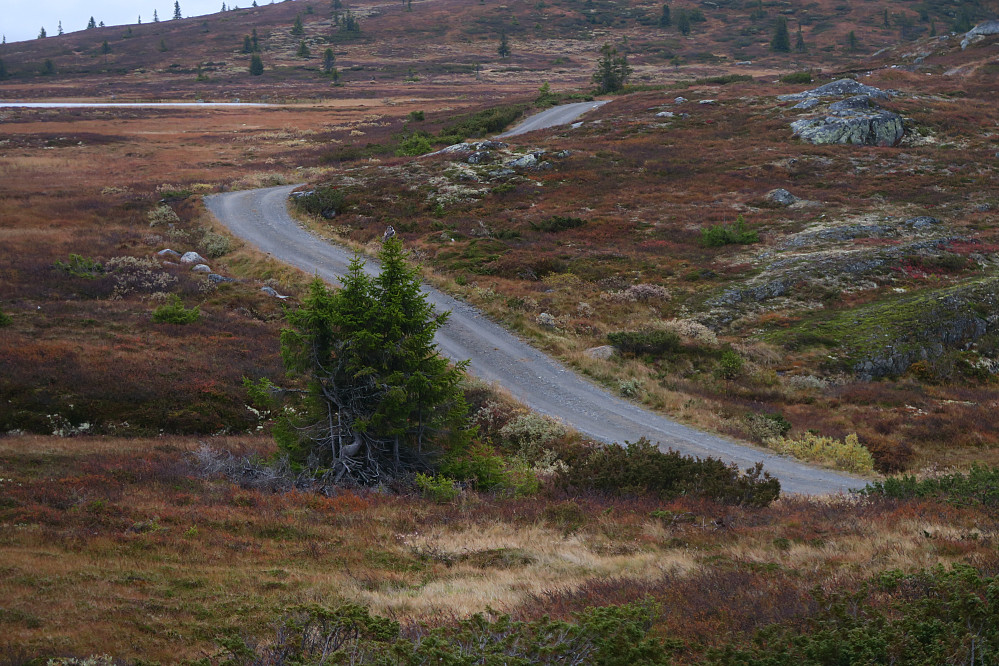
(261, 217)
(553, 117)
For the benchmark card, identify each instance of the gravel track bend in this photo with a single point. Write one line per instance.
(261, 217)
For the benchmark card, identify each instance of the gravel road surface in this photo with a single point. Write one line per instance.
(261, 217)
(557, 115)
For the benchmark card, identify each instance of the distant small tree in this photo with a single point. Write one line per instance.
(885, 20)
(247, 44)
(799, 43)
(504, 46)
(176, 10)
(41, 33)
(256, 65)
(223, 7)
(329, 60)
(309, 9)
(91, 23)
(128, 32)
(612, 70)
(933, 28)
(101, 24)
(60, 28)
(105, 49)
(336, 5)
(349, 22)
(665, 20)
(851, 40)
(3, 70)
(156, 19)
(781, 42)
(140, 19)
(48, 68)
(962, 22)
(683, 23)
(298, 28)
(163, 46)
(255, 40)
(254, 4)
(303, 50)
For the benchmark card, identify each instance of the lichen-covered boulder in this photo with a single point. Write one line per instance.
(780, 197)
(980, 32)
(872, 128)
(192, 258)
(839, 88)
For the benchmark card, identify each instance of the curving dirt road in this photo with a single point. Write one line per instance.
(261, 217)
(557, 115)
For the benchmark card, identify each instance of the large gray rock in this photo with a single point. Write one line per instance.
(876, 127)
(839, 88)
(780, 197)
(192, 258)
(980, 32)
(168, 253)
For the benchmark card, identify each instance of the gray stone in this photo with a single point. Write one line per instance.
(562, 154)
(809, 103)
(879, 128)
(922, 222)
(167, 252)
(479, 157)
(679, 100)
(780, 197)
(525, 162)
(501, 173)
(201, 268)
(851, 105)
(706, 101)
(192, 258)
(839, 88)
(546, 319)
(979, 32)
(665, 114)
(602, 352)
(219, 279)
(271, 292)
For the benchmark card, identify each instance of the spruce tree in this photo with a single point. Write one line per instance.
(156, 19)
(665, 20)
(41, 33)
(91, 24)
(176, 10)
(298, 28)
(612, 70)
(851, 40)
(3, 70)
(380, 397)
(59, 29)
(256, 65)
(303, 50)
(247, 44)
(105, 49)
(329, 60)
(162, 47)
(255, 40)
(504, 46)
(683, 23)
(799, 43)
(48, 68)
(781, 42)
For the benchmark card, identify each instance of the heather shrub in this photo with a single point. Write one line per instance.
(768, 426)
(81, 267)
(325, 201)
(162, 215)
(215, 245)
(797, 77)
(137, 274)
(656, 342)
(557, 223)
(643, 293)
(848, 454)
(977, 486)
(414, 144)
(889, 457)
(174, 312)
(641, 468)
(629, 388)
(5, 319)
(530, 431)
(691, 330)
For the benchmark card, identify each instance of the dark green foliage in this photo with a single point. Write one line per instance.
(3, 70)
(176, 10)
(641, 468)
(478, 464)
(797, 77)
(380, 398)
(799, 42)
(174, 312)
(781, 41)
(729, 365)
(979, 486)
(48, 68)
(415, 144)
(162, 47)
(297, 28)
(303, 50)
(557, 223)
(852, 41)
(504, 46)
(5, 319)
(81, 267)
(482, 123)
(256, 65)
(723, 80)
(665, 20)
(726, 234)
(329, 60)
(41, 33)
(416, 116)
(922, 619)
(656, 342)
(349, 23)
(683, 23)
(91, 24)
(247, 44)
(326, 201)
(313, 635)
(612, 70)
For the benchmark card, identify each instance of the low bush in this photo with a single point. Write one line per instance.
(162, 215)
(326, 201)
(655, 341)
(723, 80)
(5, 319)
(641, 468)
(889, 457)
(81, 267)
(414, 144)
(729, 365)
(797, 77)
(440, 489)
(215, 245)
(978, 486)
(768, 426)
(729, 234)
(557, 223)
(482, 123)
(848, 454)
(174, 312)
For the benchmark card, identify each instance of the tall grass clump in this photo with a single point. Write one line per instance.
(848, 454)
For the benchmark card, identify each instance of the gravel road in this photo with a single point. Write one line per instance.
(557, 115)
(261, 217)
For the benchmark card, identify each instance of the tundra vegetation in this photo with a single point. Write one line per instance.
(156, 508)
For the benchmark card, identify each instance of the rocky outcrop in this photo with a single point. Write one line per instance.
(780, 197)
(980, 32)
(871, 127)
(839, 88)
(192, 258)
